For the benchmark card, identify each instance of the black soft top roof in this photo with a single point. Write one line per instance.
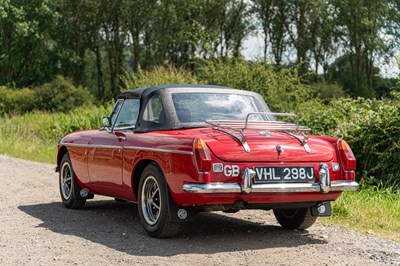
(165, 92)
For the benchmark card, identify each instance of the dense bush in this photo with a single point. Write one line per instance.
(16, 101)
(372, 128)
(328, 90)
(61, 95)
(58, 95)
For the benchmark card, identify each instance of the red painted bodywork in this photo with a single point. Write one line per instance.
(109, 163)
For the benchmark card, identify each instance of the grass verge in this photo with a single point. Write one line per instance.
(371, 210)
(32, 149)
(19, 138)
(34, 136)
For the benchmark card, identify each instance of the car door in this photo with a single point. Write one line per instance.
(106, 148)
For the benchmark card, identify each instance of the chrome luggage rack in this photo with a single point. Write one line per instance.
(231, 127)
(260, 125)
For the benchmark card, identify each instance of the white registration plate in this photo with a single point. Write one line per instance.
(283, 174)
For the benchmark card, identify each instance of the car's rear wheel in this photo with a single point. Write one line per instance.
(119, 200)
(295, 218)
(153, 204)
(69, 188)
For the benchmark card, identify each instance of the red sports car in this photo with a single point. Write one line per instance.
(178, 150)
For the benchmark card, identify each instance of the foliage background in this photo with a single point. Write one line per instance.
(339, 45)
(320, 59)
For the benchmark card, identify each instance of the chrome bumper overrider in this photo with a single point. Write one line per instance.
(246, 186)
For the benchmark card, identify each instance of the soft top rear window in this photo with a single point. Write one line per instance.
(199, 107)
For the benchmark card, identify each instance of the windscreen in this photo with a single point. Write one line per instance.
(199, 107)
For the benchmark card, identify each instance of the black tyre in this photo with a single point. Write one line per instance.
(69, 188)
(295, 218)
(153, 204)
(119, 200)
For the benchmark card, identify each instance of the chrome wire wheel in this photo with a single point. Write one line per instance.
(69, 188)
(66, 183)
(151, 200)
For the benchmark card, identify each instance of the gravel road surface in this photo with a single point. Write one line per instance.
(35, 229)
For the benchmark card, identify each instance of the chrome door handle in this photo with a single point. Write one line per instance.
(121, 138)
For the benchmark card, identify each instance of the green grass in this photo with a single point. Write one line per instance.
(371, 210)
(34, 136)
(19, 138)
(29, 149)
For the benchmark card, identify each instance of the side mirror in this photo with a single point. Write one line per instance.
(105, 122)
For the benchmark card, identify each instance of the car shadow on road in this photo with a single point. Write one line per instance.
(117, 226)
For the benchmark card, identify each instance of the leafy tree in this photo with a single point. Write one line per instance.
(75, 34)
(263, 10)
(297, 28)
(273, 18)
(80, 38)
(27, 56)
(322, 35)
(138, 15)
(363, 24)
(95, 42)
(114, 36)
(225, 24)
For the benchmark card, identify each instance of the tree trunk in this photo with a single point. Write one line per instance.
(100, 75)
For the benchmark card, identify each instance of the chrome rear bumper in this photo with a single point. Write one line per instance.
(247, 186)
(262, 188)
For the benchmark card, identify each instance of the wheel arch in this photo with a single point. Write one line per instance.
(137, 173)
(61, 152)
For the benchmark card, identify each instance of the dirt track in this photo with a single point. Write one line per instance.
(37, 230)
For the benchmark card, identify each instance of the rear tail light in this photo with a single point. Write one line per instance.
(202, 156)
(346, 155)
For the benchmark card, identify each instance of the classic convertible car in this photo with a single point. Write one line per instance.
(178, 150)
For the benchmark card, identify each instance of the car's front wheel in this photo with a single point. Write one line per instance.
(69, 188)
(153, 204)
(295, 218)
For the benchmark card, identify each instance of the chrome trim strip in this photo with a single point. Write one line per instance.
(74, 145)
(212, 188)
(340, 185)
(105, 146)
(126, 147)
(91, 146)
(158, 150)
